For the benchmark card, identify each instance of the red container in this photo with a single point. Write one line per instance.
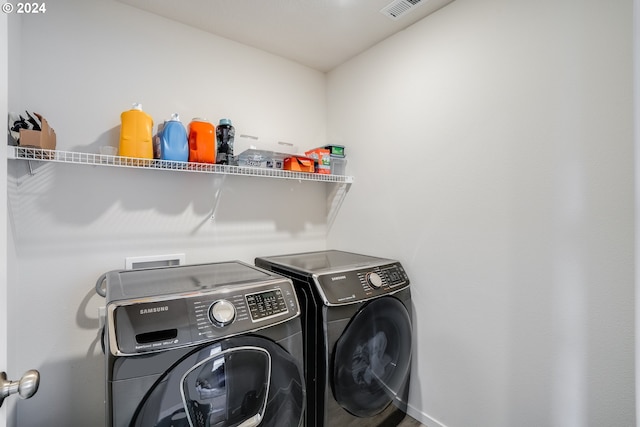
(202, 141)
(298, 164)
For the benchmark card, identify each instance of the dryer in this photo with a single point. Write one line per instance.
(203, 345)
(356, 312)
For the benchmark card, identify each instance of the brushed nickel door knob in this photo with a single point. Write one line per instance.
(26, 387)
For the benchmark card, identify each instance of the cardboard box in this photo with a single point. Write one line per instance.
(322, 159)
(298, 164)
(45, 138)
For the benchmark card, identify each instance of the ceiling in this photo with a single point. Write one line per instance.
(320, 34)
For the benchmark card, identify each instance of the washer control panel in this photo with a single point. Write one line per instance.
(171, 321)
(351, 286)
(240, 312)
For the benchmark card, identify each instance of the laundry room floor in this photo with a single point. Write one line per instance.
(406, 422)
(410, 422)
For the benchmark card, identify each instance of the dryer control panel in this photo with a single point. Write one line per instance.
(353, 286)
(160, 323)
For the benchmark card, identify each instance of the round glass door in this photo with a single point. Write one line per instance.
(372, 357)
(211, 399)
(238, 382)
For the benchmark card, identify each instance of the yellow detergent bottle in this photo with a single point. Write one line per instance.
(136, 133)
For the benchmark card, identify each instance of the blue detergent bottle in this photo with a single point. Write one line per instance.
(174, 144)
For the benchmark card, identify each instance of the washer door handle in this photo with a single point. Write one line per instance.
(255, 419)
(252, 422)
(26, 387)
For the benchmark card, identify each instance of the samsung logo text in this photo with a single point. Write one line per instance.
(154, 309)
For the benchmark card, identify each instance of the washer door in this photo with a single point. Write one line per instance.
(243, 381)
(372, 358)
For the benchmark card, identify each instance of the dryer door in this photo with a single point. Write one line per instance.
(372, 358)
(243, 381)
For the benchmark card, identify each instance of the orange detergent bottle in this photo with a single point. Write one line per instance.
(202, 141)
(136, 133)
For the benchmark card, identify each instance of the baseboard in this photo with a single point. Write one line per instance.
(423, 418)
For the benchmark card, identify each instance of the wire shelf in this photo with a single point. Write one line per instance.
(59, 156)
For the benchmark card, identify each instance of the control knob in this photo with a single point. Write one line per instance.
(374, 280)
(222, 313)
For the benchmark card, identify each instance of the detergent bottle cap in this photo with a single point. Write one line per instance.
(175, 117)
(137, 106)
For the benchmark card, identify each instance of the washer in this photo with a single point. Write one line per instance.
(356, 312)
(203, 345)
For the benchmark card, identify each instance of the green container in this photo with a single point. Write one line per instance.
(335, 150)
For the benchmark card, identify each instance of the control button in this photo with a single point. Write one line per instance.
(374, 280)
(222, 313)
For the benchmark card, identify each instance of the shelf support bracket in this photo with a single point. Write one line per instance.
(217, 195)
(33, 170)
(336, 193)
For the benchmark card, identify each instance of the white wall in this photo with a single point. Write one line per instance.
(493, 153)
(81, 64)
(495, 139)
(636, 110)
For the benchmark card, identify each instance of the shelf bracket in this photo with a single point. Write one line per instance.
(33, 170)
(217, 195)
(33, 165)
(336, 193)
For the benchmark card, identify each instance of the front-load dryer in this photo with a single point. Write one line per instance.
(356, 312)
(203, 345)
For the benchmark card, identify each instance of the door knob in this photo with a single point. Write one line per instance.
(26, 387)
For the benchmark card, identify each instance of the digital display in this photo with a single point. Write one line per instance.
(266, 304)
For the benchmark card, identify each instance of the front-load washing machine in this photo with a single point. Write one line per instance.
(203, 345)
(356, 312)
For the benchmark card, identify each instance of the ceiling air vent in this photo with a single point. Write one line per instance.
(398, 8)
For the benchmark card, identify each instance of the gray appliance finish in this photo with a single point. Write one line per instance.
(356, 312)
(215, 344)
